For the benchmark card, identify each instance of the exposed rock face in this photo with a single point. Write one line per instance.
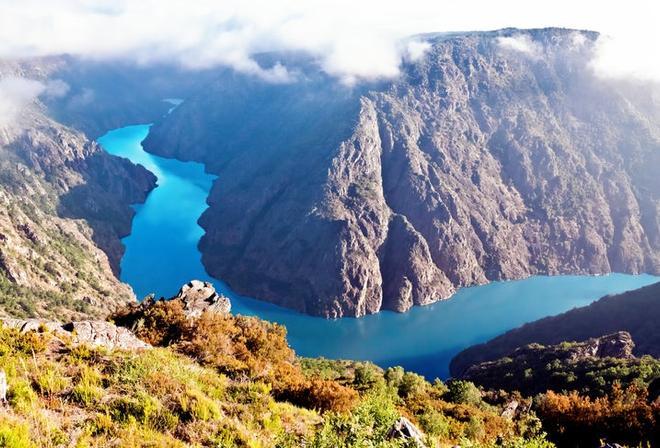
(404, 429)
(94, 333)
(482, 162)
(633, 313)
(25, 325)
(618, 345)
(198, 297)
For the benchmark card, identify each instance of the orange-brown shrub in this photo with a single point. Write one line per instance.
(321, 395)
(238, 345)
(623, 416)
(162, 323)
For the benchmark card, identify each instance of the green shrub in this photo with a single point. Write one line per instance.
(141, 408)
(366, 376)
(434, 423)
(196, 406)
(13, 435)
(412, 384)
(394, 376)
(50, 381)
(464, 392)
(21, 396)
(87, 390)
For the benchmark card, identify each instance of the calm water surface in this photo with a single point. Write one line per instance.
(161, 255)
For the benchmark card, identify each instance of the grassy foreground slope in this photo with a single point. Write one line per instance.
(226, 381)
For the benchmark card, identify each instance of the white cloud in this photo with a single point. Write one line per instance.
(628, 57)
(416, 49)
(521, 43)
(349, 39)
(15, 94)
(56, 88)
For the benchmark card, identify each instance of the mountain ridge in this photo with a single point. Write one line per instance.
(483, 162)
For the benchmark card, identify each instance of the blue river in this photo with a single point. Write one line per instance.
(162, 254)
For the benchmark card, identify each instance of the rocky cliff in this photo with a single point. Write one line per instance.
(65, 204)
(495, 156)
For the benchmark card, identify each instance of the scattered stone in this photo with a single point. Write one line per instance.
(198, 296)
(404, 429)
(104, 334)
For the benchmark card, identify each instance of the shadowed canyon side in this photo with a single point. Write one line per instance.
(484, 161)
(65, 204)
(635, 311)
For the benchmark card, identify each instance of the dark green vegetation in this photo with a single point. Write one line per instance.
(534, 369)
(636, 312)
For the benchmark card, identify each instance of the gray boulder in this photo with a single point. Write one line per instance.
(198, 297)
(404, 429)
(104, 334)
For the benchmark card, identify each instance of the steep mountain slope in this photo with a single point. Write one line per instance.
(495, 156)
(636, 312)
(65, 205)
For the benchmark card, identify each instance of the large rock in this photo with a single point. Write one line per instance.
(618, 345)
(404, 429)
(198, 297)
(96, 333)
(104, 334)
(25, 325)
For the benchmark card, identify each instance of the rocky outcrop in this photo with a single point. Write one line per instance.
(93, 333)
(633, 313)
(618, 345)
(25, 325)
(484, 161)
(403, 429)
(198, 297)
(195, 298)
